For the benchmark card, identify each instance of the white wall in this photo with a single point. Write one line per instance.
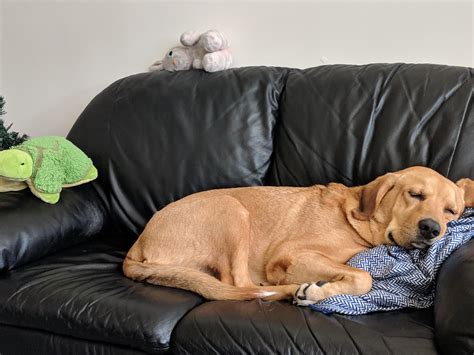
(56, 55)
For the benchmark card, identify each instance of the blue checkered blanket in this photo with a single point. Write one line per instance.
(401, 278)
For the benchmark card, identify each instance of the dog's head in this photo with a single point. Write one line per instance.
(413, 206)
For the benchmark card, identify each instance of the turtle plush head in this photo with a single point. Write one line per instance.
(15, 165)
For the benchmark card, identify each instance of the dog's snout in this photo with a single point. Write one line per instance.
(429, 228)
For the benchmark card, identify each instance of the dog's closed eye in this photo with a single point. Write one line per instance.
(450, 211)
(417, 195)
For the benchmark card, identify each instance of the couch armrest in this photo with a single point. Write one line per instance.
(454, 302)
(31, 229)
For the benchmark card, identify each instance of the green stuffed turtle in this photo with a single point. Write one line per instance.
(46, 165)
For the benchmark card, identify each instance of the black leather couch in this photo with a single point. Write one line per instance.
(156, 137)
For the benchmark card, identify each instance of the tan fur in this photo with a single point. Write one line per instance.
(467, 187)
(224, 244)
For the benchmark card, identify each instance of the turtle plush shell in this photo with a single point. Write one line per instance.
(57, 163)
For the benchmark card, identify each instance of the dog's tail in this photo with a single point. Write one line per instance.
(197, 281)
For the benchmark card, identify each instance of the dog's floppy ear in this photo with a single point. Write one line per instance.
(372, 194)
(467, 185)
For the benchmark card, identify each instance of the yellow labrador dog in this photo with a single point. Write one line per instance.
(282, 242)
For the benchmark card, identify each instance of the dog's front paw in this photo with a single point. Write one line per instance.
(308, 294)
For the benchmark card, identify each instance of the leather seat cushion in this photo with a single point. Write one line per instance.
(81, 292)
(259, 327)
(25, 341)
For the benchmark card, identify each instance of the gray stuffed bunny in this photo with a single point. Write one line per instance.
(208, 51)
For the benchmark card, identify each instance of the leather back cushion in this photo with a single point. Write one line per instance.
(350, 124)
(156, 137)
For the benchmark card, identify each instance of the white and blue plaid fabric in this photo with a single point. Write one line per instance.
(401, 278)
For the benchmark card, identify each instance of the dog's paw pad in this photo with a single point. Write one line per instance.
(307, 294)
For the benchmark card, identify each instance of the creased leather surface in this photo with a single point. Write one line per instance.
(454, 303)
(166, 135)
(24, 341)
(351, 124)
(259, 327)
(81, 292)
(31, 229)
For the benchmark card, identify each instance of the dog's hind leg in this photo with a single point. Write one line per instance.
(197, 281)
(240, 256)
(201, 245)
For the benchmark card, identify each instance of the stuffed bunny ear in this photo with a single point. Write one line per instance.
(467, 185)
(158, 65)
(189, 38)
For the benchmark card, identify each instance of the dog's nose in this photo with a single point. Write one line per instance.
(429, 228)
